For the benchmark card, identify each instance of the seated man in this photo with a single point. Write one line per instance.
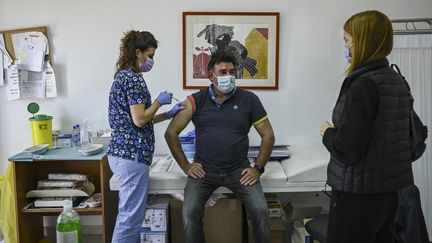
(222, 115)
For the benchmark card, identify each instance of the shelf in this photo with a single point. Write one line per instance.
(30, 220)
(57, 211)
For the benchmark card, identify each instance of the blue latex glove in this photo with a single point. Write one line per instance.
(164, 98)
(171, 113)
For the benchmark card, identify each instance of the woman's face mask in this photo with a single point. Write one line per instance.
(348, 56)
(226, 84)
(348, 44)
(147, 66)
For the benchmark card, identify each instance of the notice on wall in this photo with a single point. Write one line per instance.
(12, 81)
(7, 59)
(2, 66)
(31, 84)
(1, 69)
(50, 81)
(30, 50)
(29, 74)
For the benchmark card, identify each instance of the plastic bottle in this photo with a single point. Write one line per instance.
(74, 138)
(84, 133)
(68, 225)
(78, 135)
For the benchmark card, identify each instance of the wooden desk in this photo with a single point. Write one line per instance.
(28, 170)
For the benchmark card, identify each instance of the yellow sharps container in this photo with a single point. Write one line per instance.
(41, 126)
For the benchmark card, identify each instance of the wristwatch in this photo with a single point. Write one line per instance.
(259, 168)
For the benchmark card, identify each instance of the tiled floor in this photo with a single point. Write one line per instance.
(86, 239)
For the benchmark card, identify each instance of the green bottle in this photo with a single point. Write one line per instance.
(69, 225)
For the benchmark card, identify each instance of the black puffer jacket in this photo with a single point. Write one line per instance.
(370, 144)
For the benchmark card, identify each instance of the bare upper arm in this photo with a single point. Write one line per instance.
(264, 128)
(137, 111)
(182, 119)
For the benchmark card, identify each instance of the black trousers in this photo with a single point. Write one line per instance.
(362, 218)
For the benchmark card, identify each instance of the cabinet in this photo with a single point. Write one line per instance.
(29, 169)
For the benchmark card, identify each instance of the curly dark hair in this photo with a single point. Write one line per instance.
(218, 58)
(131, 41)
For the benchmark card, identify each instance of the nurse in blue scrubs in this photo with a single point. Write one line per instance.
(131, 114)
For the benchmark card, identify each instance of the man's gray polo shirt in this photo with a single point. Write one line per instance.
(222, 140)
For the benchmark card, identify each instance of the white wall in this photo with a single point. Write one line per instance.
(85, 35)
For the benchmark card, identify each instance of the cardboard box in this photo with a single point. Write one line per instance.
(222, 222)
(277, 231)
(157, 214)
(300, 213)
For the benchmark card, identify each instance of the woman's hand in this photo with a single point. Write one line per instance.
(171, 113)
(324, 126)
(164, 98)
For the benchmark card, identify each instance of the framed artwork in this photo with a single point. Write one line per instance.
(252, 38)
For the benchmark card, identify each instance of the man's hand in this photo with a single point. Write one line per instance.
(250, 176)
(195, 170)
(324, 126)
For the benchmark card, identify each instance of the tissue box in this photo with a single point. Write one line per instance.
(188, 138)
(189, 150)
(64, 141)
(188, 144)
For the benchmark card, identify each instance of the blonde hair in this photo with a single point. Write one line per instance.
(134, 40)
(372, 34)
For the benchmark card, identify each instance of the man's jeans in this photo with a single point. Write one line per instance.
(198, 191)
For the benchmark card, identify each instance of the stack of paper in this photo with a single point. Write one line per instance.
(54, 202)
(52, 191)
(63, 184)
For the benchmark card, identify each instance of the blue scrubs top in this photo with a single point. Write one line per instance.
(129, 141)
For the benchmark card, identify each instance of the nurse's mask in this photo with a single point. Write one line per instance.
(147, 66)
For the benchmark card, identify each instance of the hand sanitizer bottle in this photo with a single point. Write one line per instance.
(68, 225)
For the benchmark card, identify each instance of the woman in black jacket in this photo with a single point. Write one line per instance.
(369, 142)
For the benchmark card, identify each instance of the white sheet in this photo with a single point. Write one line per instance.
(176, 179)
(304, 171)
(307, 164)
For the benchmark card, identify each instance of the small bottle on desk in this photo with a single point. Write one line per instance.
(76, 137)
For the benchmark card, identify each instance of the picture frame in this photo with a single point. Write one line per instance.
(252, 38)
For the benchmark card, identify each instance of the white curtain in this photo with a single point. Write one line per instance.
(413, 55)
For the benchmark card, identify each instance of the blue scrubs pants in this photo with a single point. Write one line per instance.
(133, 177)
